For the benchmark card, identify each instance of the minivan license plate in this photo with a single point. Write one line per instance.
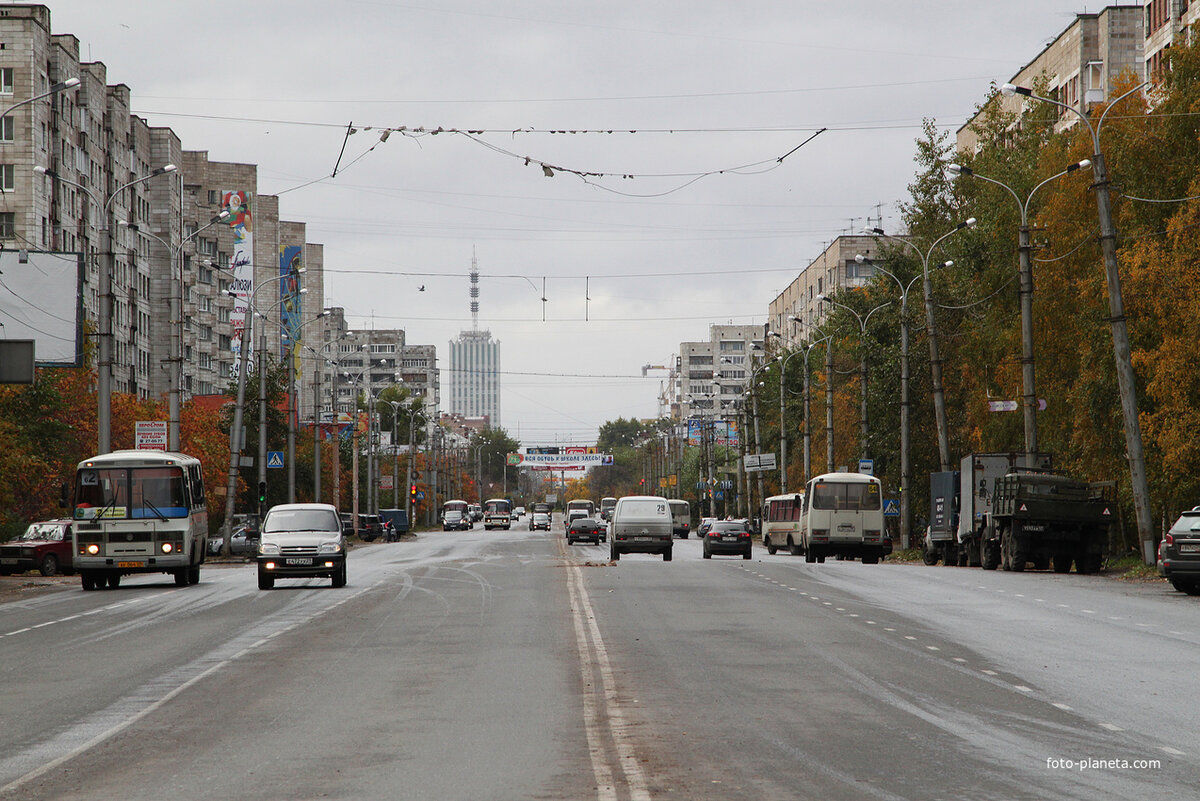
(1189, 547)
(299, 562)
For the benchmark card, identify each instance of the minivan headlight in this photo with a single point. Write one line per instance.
(330, 547)
(268, 548)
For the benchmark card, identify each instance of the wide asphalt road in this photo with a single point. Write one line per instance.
(508, 665)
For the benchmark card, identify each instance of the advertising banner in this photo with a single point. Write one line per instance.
(721, 432)
(291, 259)
(150, 435)
(558, 461)
(241, 265)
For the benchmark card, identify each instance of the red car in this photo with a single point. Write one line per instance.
(45, 547)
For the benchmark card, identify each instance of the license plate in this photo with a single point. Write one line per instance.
(1189, 547)
(728, 539)
(846, 527)
(643, 539)
(297, 561)
(129, 564)
(7, 561)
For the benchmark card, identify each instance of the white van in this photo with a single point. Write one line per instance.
(843, 516)
(641, 524)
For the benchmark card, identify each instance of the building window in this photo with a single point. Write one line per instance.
(6, 80)
(7, 130)
(8, 222)
(8, 177)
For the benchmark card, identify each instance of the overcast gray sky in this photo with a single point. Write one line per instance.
(686, 89)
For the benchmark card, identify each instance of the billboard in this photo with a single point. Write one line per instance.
(721, 432)
(241, 265)
(41, 296)
(291, 259)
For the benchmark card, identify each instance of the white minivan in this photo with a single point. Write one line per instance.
(641, 524)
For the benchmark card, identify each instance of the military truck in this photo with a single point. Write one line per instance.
(961, 504)
(1041, 518)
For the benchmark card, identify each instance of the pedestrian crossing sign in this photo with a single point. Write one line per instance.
(274, 458)
(891, 508)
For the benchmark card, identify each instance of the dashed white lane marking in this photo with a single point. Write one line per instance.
(1171, 751)
(1063, 707)
(989, 672)
(1111, 727)
(1022, 688)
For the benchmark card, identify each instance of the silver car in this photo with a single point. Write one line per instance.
(301, 540)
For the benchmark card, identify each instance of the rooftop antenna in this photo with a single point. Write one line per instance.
(474, 291)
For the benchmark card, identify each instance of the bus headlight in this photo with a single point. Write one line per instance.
(167, 547)
(93, 549)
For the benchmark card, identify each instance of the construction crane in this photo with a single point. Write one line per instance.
(666, 387)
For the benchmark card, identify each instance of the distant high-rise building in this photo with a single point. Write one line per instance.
(475, 366)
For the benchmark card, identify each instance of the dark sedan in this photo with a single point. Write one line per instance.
(586, 528)
(45, 547)
(728, 537)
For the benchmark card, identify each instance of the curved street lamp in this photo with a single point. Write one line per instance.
(862, 364)
(935, 359)
(1126, 378)
(104, 358)
(1029, 402)
(175, 362)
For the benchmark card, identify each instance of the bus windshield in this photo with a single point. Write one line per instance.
(131, 492)
(846, 496)
(498, 507)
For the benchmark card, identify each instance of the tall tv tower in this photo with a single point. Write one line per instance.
(474, 291)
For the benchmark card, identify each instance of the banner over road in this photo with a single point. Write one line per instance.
(559, 460)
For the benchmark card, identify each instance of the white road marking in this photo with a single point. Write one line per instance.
(1063, 707)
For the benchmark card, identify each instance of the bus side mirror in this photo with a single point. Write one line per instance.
(64, 494)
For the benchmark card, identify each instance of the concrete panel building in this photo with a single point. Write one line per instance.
(1080, 66)
(714, 375)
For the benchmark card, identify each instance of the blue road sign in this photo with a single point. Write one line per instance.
(274, 458)
(891, 507)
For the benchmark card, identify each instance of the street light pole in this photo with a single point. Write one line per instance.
(1029, 391)
(807, 425)
(1122, 355)
(862, 369)
(105, 358)
(175, 362)
(935, 359)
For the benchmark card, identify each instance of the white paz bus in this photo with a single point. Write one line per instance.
(843, 516)
(138, 512)
(781, 523)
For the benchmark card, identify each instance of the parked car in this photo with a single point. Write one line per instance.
(370, 527)
(301, 540)
(728, 537)
(347, 523)
(1179, 553)
(45, 547)
(586, 528)
(242, 541)
(539, 520)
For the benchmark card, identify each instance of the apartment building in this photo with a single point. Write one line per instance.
(1163, 22)
(714, 375)
(354, 361)
(795, 312)
(72, 166)
(1080, 66)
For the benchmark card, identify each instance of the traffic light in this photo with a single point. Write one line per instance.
(262, 491)
(412, 492)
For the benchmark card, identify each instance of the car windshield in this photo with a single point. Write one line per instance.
(583, 521)
(42, 531)
(279, 520)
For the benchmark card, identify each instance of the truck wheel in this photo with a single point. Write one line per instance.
(929, 556)
(793, 548)
(88, 580)
(1062, 563)
(114, 580)
(181, 577)
(810, 557)
(1088, 563)
(193, 574)
(990, 558)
